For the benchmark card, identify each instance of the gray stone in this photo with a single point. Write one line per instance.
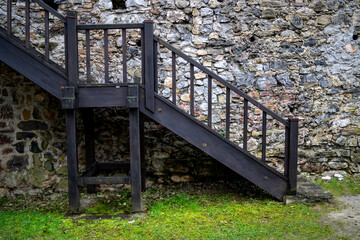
(17, 163)
(206, 12)
(268, 13)
(182, 3)
(25, 135)
(32, 125)
(296, 21)
(308, 192)
(37, 177)
(135, 3)
(284, 79)
(265, 83)
(338, 165)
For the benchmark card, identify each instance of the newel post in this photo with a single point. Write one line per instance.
(72, 48)
(149, 64)
(292, 152)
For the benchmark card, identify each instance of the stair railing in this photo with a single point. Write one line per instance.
(291, 125)
(27, 38)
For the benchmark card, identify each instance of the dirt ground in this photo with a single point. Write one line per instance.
(346, 221)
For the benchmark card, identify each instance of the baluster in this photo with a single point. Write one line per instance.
(173, 78)
(27, 24)
(143, 57)
(9, 17)
(227, 126)
(246, 110)
(156, 78)
(192, 97)
(88, 70)
(124, 55)
(46, 35)
(209, 101)
(106, 55)
(263, 150)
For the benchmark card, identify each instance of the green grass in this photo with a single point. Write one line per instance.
(350, 185)
(183, 212)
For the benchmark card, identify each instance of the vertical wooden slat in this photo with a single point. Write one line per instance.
(149, 64)
(156, 77)
(88, 118)
(286, 160)
(88, 58)
(124, 55)
(173, 67)
(46, 35)
(263, 147)
(209, 101)
(9, 9)
(106, 55)
(246, 109)
(72, 162)
(143, 56)
(293, 154)
(227, 126)
(66, 47)
(192, 97)
(142, 153)
(27, 23)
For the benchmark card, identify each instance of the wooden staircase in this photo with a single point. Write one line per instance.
(141, 98)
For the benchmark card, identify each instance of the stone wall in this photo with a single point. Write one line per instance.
(298, 57)
(33, 143)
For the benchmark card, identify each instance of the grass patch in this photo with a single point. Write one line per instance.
(350, 185)
(183, 212)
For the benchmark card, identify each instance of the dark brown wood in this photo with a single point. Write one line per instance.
(88, 119)
(245, 132)
(149, 64)
(72, 161)
(263, 137)
(92, 181)
(142, 152)
(218, 147)
(27, 23)
(192, 92)
(227, 125)
(135, 160)
(173, 69)
(109, 26)
(105, 96)
(142, 56)
(46, 36)
(88, 57)
(156, 76)
(35, 70)
(293, 154)
(9, 16)
(106, 55)
(124, 55)
(72, 48)
(221, 80)
(209, 101)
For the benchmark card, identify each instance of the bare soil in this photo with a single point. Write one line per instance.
(346, 221)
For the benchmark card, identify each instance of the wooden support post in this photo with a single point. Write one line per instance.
(293, 154)
(72, 161)
(88, 118)
(142, 152)
(149, 64)
(135, 148)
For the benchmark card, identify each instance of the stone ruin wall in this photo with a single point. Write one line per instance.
(298, 57)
